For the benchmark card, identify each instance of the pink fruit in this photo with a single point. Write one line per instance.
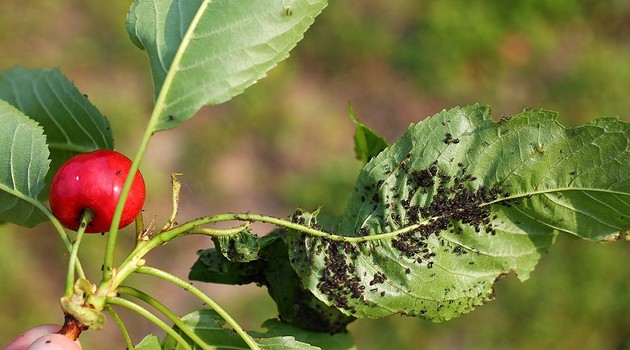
(54, 342)
(27, 338)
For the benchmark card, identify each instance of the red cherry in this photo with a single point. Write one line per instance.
(94, 180)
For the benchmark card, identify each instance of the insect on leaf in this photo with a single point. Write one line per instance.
(467, 201)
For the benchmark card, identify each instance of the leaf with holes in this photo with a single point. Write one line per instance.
(23, 167)
(460, 201)
(206, 52)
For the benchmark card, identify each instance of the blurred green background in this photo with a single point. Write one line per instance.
(287, 143)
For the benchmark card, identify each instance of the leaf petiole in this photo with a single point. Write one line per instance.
(160, 106)
(120, 325)
(187, 286)
(166, 312)
(58, 227)
(194, 227)
(149, 316)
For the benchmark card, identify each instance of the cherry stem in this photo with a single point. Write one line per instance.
(194, 227)
(120, 325)
(166, 312)
(108, 261)
(72, 328)
(189, 287)
(87, 216)
(58, 227)
(149, 316)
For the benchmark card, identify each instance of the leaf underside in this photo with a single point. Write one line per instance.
(245, 259)
(482, 198)
(206, 52)
(23, 167)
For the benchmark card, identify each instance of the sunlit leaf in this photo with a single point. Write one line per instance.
(206, 52)
(479, 199)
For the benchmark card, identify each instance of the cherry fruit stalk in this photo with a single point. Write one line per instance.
(94, 181)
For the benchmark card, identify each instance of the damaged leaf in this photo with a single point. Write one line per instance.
(480, 199)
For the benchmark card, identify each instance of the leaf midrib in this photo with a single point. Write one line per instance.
(177, 59)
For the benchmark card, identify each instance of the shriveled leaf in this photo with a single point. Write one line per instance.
(206, 52)
(212, 266)
(296, 305)
(210, 327)
(478, 199)
(71, 123)
(243, 247)
(23, 167)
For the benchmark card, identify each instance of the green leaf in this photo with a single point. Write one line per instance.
(23, 167)
(477, 199)
(286, 343)
(367, 143)
(296, 305)
(71, 123)
(323, 340)
(209, 326)
(206, 52)
(150, 342)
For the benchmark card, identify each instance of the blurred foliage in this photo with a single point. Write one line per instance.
(287, 142)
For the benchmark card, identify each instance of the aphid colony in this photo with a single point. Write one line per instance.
(432, 198)
(453, 201)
